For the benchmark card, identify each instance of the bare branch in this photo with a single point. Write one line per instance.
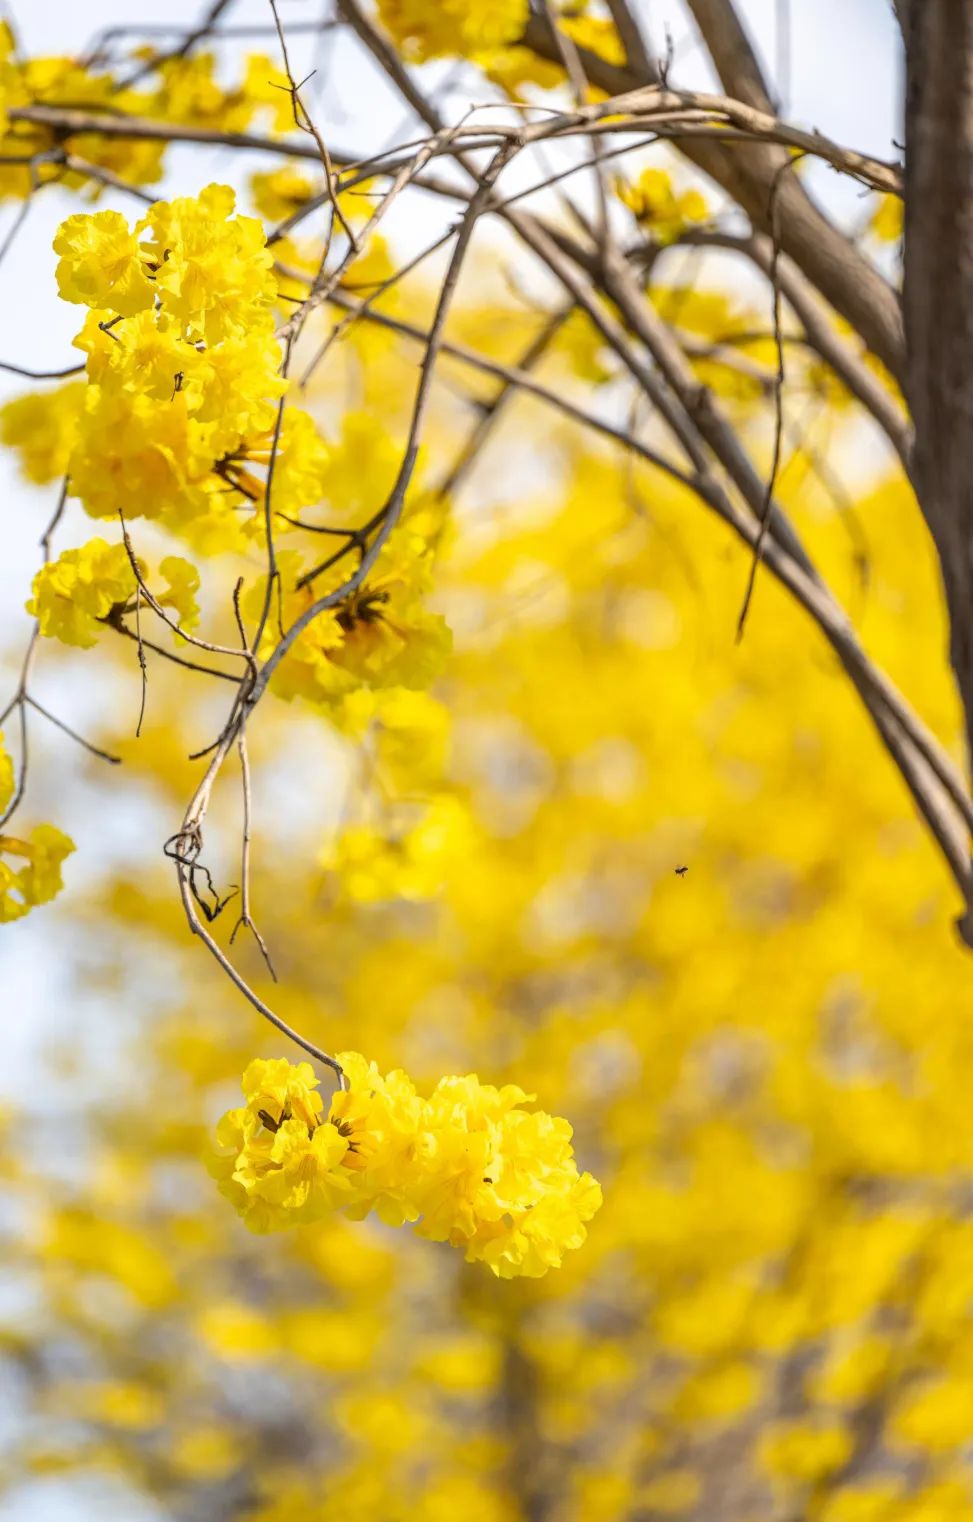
(52, 718)
(822, 334)
(824, 255)
(246, 922)
(732, 52)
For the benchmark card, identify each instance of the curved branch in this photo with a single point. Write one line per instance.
(824, 255)
(821, 334)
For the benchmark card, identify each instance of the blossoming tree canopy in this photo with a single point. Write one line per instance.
(485, 696)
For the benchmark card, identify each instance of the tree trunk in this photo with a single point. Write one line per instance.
(938, 297)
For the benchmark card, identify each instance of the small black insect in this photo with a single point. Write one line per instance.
(681, 871)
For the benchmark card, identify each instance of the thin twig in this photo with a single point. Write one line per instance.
(95, 750)
(40, 374)
(246, 921)
(380, 290)
(197, 34)
(142, 664)
(304, 123)
(779, 378)
(115, 621)
(157, 608)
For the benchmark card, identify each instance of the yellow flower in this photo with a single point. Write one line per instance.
(380, 1116)
(102, 264)
(267, 91)
(424, 29)
(39, 879)
(213, 271)
(8, 72)
(276, 1161)
(189, 92)
(64, 81)
(148, 458)
(194, 417)
(307, 671)
(142, 354)
(381, 636)
(239, 382)
(279, 192)
(501, 1181)
(42, 426)
(301, 463)
(182, 580)
(481, 1172)
(72, 593)
(279, 1088)
(887, 218)
(390, 640)
(8, 780)
(597, 34)
(654, 201)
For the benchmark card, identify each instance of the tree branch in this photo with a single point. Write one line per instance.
(824, 255)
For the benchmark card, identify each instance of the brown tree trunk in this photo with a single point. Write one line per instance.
(938, 297)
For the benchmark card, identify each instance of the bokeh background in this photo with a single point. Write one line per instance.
(765, 1057)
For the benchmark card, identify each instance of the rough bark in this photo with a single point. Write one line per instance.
(938, 297)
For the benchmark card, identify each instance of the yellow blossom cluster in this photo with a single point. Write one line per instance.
(381, 636)
(79, 590)
(372, 865)
(183, 367)
(469, 1166)
(42, 426)
(655, 202)
(182, 90)
(427, 30)
(179, 420)
(30, 870)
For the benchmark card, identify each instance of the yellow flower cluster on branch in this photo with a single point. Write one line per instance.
(469, 1166)
(42, 427)
(183, 90)
(380, 636)
(73, 594)
(30, 870)
(38, 879)
(178, 417)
